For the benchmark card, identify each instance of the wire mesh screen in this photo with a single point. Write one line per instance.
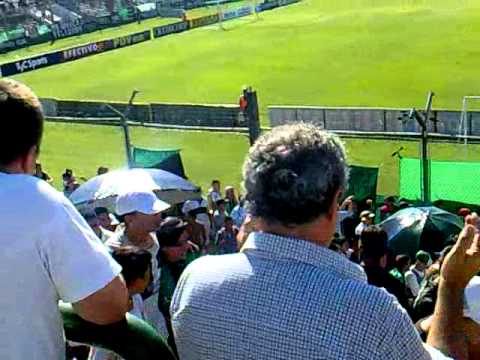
(452, 181)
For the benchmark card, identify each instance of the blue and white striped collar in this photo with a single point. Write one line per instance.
(276, 246)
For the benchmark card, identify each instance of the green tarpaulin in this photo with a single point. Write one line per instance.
(168, 160)
(362, 183)
(451, 181)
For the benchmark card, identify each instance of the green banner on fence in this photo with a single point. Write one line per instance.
(362, 183)
(449, 180)
(168, 160)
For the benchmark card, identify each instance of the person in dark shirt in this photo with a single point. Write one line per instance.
(374, 255)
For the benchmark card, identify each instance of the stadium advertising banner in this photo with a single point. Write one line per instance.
(170, 29)
(83, 51)
(204, 21)
(233, 14)
(131, 39)
(34, 63)
(66, 29)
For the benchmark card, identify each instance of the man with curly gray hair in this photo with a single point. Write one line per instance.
(286, 295)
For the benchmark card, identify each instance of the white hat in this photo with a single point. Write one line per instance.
(145, 202)
(472, 300)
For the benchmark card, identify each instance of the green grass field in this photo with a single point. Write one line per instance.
(210, 155)
(318, 52)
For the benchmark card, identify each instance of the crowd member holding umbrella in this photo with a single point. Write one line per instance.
(49, 253)
(141, 215)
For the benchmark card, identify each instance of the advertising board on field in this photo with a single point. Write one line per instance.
(170, 29)
(132, 39)
(233, 14)
(83, 51)
(204, 21)
(34, 63)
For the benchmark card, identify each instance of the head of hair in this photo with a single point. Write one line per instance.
(374, 243)
(101, 210)
(215, 182)
(134, 261)
(293, 173)
(423, 257)
(22, 121)
(402, 261)
(228, 219)
(220, 202)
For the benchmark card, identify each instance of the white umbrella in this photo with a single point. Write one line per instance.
(102, 190)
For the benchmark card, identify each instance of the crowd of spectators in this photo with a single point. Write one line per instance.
(289, 274)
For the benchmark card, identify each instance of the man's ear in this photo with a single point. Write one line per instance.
(334, 206)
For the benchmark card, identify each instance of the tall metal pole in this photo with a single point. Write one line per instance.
(126, 130)
(126, 134)
(425, 160)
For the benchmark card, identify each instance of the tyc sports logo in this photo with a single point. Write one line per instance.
(31, 64)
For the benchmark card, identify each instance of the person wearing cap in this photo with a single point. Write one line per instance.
(141, 216)
(464, 212)
(199, 209)
(366, 219)
(414, 277)
(49, 253)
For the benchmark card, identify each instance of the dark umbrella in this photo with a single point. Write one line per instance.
(422, 228)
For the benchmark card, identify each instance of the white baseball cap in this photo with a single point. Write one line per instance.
(145, 202)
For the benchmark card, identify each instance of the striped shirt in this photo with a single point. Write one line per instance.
(284, 298)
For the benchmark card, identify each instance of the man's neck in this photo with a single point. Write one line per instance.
(316, 232)
(145, 240)
(14, 168)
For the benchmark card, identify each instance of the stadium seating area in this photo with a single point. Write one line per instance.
(30, 18)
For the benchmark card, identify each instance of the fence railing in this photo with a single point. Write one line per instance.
(374, 119)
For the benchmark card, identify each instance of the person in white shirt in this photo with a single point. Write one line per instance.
(137, 272)
(345, 210)
(48, 253)
(214, 195)
(414, 277)
(366, 220)
(141, 216)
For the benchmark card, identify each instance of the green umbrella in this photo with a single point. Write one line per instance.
(422, 228)
(132, 339)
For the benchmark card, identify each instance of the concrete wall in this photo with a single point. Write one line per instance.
(372, 119)
(196, 115)
(169, 114)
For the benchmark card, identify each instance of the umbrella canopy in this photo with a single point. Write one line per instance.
(102, 190)
(422, 228)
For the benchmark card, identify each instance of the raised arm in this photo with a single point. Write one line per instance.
(460, 266)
